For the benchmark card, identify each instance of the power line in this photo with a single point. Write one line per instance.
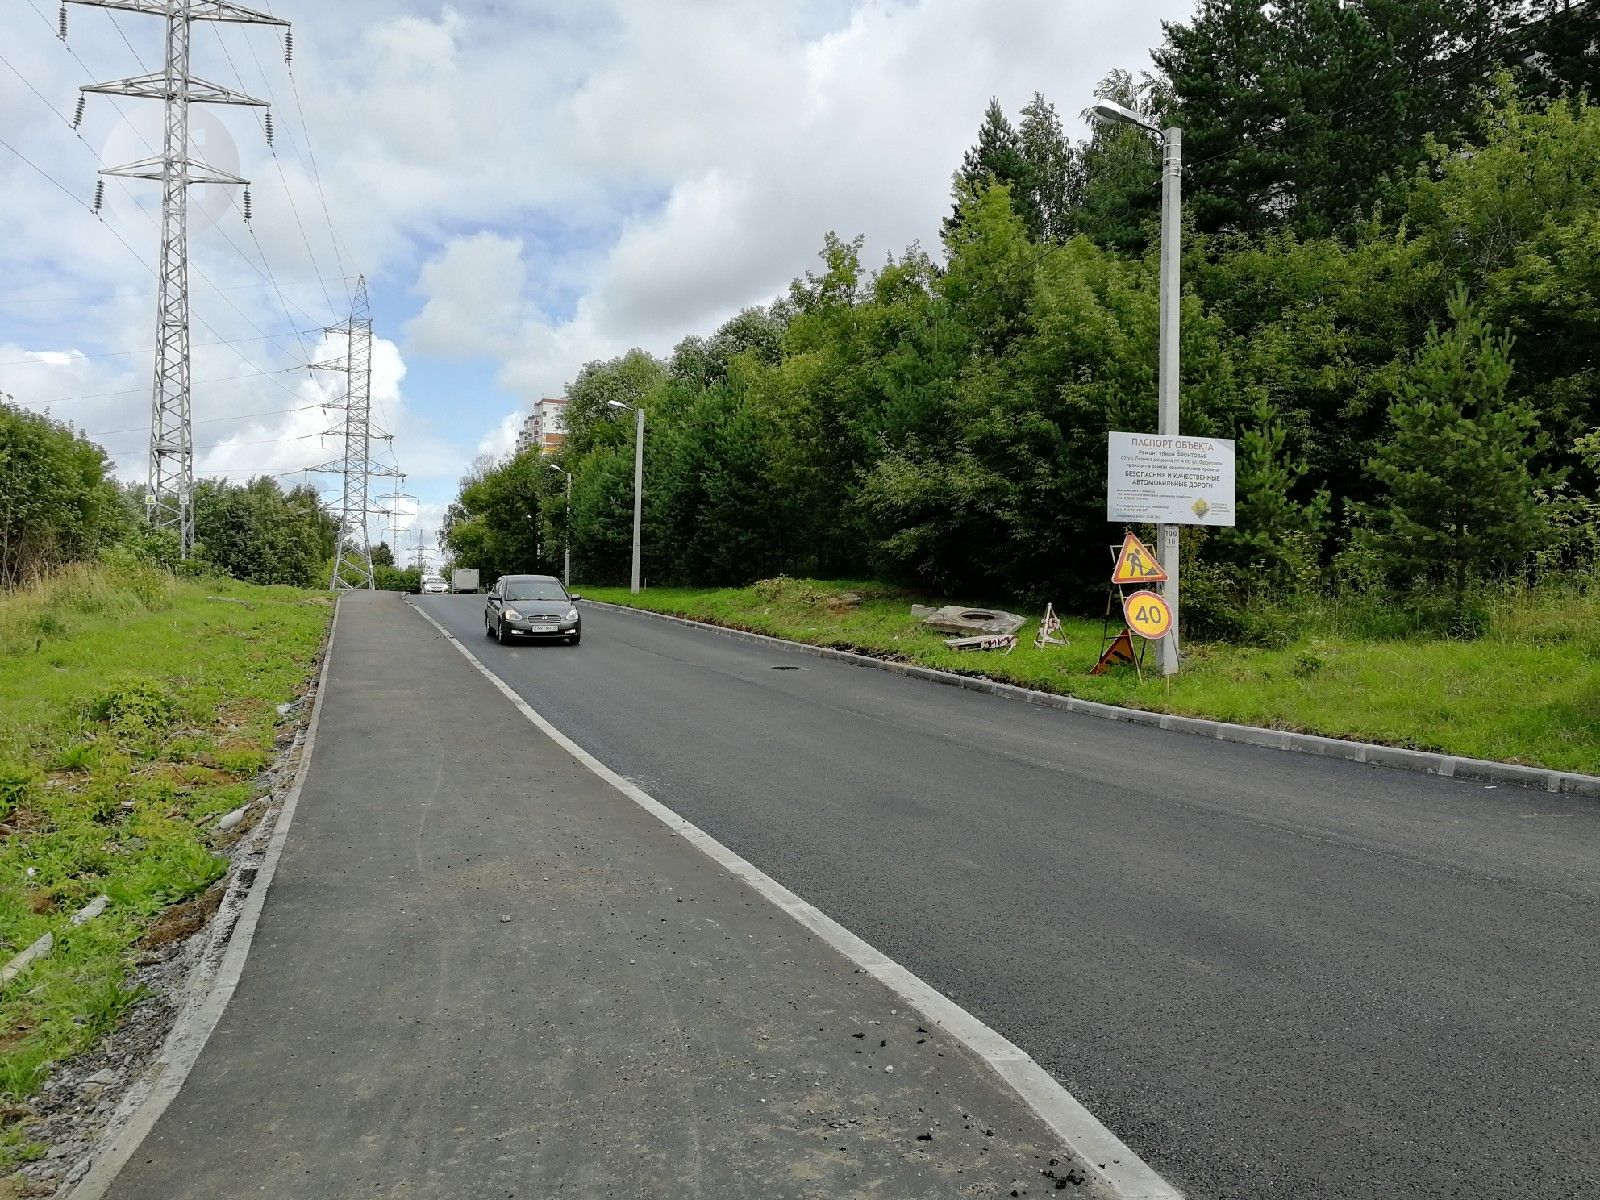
(271, 412)
(12, 298)
(75, 357)
(265, 124)
(273, 441)
(267, 276)
(195, 383)
(311, 155)
(76, 199)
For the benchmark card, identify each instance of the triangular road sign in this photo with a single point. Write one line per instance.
(1120, 651)
(1136, 564)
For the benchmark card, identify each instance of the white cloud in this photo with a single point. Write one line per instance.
(475, 302)
(502, 439)
(538, 185)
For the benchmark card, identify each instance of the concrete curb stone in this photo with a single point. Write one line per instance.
(1571, 783)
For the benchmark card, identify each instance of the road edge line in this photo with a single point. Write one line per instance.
(1102, 1152)
(1426, 762)
(195, 1024)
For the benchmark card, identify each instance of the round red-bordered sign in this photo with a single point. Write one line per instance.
(1147, 615)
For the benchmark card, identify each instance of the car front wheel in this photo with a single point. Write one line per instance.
(501, 635)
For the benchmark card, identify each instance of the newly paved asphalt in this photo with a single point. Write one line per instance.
(1273, 975)
(483, 972)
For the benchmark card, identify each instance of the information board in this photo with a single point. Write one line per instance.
(1169, 479)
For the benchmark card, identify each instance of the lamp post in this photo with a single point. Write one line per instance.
(638, 482)
(1171, 140)
(566, 540)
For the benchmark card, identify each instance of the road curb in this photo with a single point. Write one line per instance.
(208, 998)
(1450, 766)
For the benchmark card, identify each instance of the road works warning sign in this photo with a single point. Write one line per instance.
(1136, 564)
(1168, 479)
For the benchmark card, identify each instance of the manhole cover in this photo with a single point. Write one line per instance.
(788, 668)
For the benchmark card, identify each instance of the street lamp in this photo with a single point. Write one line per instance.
(1111, 113)
(566, 541)
(638, 481)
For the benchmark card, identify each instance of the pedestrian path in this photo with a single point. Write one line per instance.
(483, 972)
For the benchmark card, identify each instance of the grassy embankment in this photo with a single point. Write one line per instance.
(1527, 690)
(134, 710)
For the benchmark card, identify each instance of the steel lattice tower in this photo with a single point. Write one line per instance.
(392, 511)
(171, 496)
(352, 564)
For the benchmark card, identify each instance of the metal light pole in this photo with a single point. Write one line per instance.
(1171, 140)
(566, 541)
(638, 482)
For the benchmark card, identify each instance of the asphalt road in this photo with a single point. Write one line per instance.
(1273, 975)
(482, 971)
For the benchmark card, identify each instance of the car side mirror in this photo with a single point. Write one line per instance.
(574, 596)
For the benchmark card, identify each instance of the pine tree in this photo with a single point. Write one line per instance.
(996, 158)
(1460, 494)
(1276, 538)
(1301, 113)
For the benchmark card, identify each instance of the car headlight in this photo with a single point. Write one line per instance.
(513, 615)
(572, 614)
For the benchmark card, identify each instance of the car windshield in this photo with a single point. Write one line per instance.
(535, 589)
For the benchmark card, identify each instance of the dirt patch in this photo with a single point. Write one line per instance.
(185, 920)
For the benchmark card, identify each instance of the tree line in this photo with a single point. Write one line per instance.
(1391, 298)
(60, 503)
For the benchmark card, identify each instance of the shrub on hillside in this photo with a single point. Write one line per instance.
(57, 503)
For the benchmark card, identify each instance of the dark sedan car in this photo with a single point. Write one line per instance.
(531, 606)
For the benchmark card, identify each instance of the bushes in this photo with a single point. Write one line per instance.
(57, 503)
(259, 533)
(396, 579)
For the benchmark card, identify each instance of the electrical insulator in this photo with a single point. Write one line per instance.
(99, 195)
(288, 47)
(249, 208)
(61, 22)
(77, 117)
(267, 123)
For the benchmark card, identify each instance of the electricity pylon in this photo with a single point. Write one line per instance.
(352, 564)
(393, 511)
(171, 498)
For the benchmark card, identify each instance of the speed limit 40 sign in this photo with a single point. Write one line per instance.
(1147, 615)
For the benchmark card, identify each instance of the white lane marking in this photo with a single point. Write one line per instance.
(1102, 1151)
(195, 1024)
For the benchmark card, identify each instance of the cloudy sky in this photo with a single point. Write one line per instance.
(525, 184)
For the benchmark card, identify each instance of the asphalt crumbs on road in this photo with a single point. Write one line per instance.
(1272, 975)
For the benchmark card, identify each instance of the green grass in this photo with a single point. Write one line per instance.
(133, 709)
(1526, 691)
